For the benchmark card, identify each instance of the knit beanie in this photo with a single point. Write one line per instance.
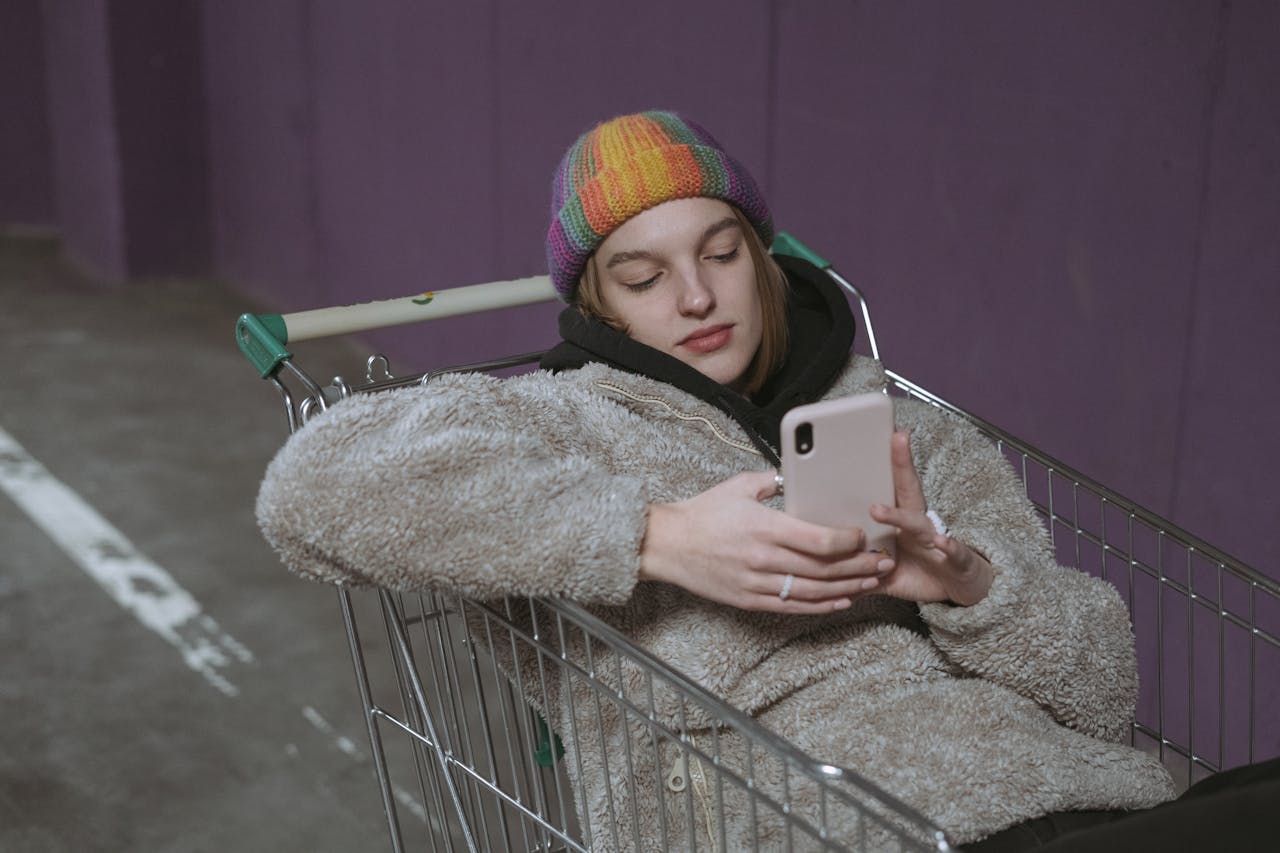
(627, 165)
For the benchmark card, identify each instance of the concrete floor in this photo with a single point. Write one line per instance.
(137, 400)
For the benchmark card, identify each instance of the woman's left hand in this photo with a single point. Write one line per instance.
(929, 566)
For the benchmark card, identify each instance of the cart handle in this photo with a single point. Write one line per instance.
(262, 337)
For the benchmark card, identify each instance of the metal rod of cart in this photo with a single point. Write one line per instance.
(461, 696)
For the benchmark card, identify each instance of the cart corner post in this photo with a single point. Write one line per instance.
(262, 339)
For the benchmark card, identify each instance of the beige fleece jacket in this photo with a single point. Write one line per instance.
(979, 717)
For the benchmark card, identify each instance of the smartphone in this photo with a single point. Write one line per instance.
(835, 464)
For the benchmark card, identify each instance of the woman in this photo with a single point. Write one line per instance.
(971, 677)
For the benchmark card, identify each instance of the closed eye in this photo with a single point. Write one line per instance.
(639, 286)
(726, 256)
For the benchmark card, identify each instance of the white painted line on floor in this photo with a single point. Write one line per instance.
(344, 743)
(142, 587)
(349, 748)
(135, 582)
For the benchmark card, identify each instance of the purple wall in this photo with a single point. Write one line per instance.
(87, 187)
(26, 189)
(1066, 215)
(125, 101)
(1228, 418)
(261, 150)
(157, 74)
(1027, 188)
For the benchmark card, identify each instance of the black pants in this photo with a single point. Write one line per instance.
(1235, 810)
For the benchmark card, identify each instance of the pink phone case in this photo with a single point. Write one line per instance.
(835, 464)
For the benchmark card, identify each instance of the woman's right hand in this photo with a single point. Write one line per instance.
(724, 545)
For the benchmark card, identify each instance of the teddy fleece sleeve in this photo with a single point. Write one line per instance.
(473, 485)
(1052, 634)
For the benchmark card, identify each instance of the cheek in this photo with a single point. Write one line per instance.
(644, 324)
(750, 302)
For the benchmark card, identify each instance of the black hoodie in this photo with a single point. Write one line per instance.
(821, 336)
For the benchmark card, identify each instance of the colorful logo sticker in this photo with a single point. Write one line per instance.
(425, 299)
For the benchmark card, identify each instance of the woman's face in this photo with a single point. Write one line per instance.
(679, 277)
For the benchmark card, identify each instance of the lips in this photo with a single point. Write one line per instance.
(708, 339)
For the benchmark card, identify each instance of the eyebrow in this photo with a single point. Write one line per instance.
(644, 254)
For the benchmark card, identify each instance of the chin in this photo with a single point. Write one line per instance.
(727, 369)
(731, 376)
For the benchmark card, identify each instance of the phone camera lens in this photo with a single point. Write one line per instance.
(804, 438)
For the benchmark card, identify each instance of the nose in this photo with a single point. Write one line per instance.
(696, 299)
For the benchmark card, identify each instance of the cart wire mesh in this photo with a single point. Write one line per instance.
(1207, 626)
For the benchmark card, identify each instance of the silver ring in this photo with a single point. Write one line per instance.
(785, 592)
(778, 481)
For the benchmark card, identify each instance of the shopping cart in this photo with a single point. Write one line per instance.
(463, 698)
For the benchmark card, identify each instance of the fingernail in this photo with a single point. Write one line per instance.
(842, 604)
(870, 583)
(885, 565)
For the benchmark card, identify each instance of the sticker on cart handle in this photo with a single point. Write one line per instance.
(425, 299)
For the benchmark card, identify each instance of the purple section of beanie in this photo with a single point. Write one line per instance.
(560, 259)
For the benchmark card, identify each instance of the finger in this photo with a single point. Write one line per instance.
(815, 539)
(862, 565)
(971, 570)
(759, 485)
(956, 551)
(910, 521)
(769, 567)
(906, 480)
(797, 607)
(812, 589)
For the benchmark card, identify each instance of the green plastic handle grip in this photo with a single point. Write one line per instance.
(262, 338)
(549, 749)
(785, 244)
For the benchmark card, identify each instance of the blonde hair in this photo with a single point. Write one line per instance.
(771, 289)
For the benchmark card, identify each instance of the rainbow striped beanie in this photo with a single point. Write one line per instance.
(627, 165)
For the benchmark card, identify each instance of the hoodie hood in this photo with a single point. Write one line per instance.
(821, 336)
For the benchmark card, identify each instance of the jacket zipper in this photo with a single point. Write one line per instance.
(684, 416)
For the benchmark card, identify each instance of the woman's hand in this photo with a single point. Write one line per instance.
(725, 546)
(929, 566)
